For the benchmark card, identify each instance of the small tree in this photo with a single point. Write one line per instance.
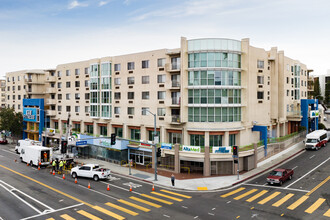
(317, 90)
(11, 121)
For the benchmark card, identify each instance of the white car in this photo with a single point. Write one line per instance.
(90, 171)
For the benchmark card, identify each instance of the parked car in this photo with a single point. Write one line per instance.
(90, 171)
(3, 141)
(279, 176)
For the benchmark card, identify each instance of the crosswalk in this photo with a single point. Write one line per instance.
(124, 208)
(277, 199)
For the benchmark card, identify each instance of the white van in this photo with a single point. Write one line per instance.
(316, 139)
(33, 154)
(26, 142)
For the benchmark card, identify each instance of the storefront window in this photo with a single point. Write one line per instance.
(215, 140)
(175, 138)
(151, 135)
(119, 132)
(232, 139)
(89, 129)
(135, 134)
(104, 130)
(197, 140)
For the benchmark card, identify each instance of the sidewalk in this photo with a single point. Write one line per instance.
(211, 183)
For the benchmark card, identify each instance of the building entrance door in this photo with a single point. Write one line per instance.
(139, 158)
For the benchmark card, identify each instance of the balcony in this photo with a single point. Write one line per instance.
(176, 119)
(51, 79)
(51, 102)
(51, 112)
(176, 100)
(175, 84)
(172, 68)
(293, 115)
(51, 90)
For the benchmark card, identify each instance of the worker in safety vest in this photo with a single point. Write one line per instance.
(61, 166)
(54, 164)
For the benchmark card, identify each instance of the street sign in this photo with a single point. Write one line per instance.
(79, 143)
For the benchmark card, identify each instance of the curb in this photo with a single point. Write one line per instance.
(247, 178)
(133, 177)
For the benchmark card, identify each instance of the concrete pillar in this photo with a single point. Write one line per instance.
(185, 137)
(176, 158)
(226, 138)
(207, 162)
(125, 131)
(143, 133)
(255, 146)
(82, 127)
(162, 134)
(109, 127)
(95, 128)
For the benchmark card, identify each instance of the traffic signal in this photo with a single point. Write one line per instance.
(113, 139)
(64, 146)
(159, 152)
(235, 150)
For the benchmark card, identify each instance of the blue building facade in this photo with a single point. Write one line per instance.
(33, 118)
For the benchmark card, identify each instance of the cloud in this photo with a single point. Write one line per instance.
(127, 2)
(101, 3)
(75, 4)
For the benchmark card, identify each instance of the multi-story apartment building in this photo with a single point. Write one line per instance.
(3, 93)
(208, 92)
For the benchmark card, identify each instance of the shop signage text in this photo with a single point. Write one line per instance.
(191, 149)
(166, 146)
(222, 150)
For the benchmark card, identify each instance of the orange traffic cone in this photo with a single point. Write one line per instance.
(89, 185)
(50, 171)
(153, 187)
(108, 187)
(27, 164)
(39, 163)
(53, 172)
(130, 188)
(38, 167)
(75, 180)
(15, 160)
(63, 176)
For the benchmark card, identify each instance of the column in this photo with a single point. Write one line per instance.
(162, 135)
(82, 127)
(143, 133)
(207, 165)
(226, 138)
(176, 158)
(185, 138)
(109, 127)
(95, 128)
(125, 131)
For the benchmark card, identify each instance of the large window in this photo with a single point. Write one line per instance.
(151, 135)
(232, 139)
(117, 67)
(197, 140)
(94, 97)
(161, 94)
(161, 62)
(119, 132)
(135, 134)
(104, 130)
(105, 83)
(105, 97)
(145, 95)
(215, 140)
(89, 129)
(175, 62)
(145, 64)
(130, 65)
(214, 77)
(217, 114)
(161, 111)
(94, 83)
(260, 64)
(94, 70)
(214, 96)
(175, 138)
(94, 111)
(214, 59)
(161, 78)
(105, 69)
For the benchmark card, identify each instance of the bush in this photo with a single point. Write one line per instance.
(322, 126)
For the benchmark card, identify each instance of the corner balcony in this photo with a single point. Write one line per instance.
(51, 79)
(51, 113)
(51, 90)
(293, 115)
(176, 119)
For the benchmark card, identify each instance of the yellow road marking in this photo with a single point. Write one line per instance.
(202, 188)
(298, 202)
(88, 215)
(177, 194)
(122, 209)
(245, 194)
(315, 206)
(256, 196)
(159, 200)
(134, 205)
(166, 196)
(283, 200)
(272, 196)
(238, 216)
(327, 213)
(282, 214)
(50, 219)
(49, 187)
(318, 186)
(252, 207)
(145, 202)
(67, 217)
(107, 212)
(232, 192)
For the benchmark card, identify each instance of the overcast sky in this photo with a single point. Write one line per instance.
(38, 34)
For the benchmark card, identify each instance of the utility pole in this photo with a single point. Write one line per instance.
(67, 131)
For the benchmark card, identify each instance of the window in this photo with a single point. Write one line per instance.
(287, 92)
(130, 110)
(287, 80)
(86, 71)
(144, 110)
(77, 72)
(105, 97)
(68, 108)
(151, 135)
(18, 106)
(13, 79)
(89, 129)
(77, 96)
(145, 95)
(14, 87)
(76, 128)
(117, 95)
(119, 132)
(130, 80)
(175, 138)
(117, 110)
(135, 134)
(130, 95)
(260, 95)
(117, 67)
(260, 64)
(67, 96)
(19, 87)
(176, 63)
(59, 85)
(68, 84)
(161, 95)
(103, 130)
(86, 83)
(130, 65)
(87, 96)
(145, 79)
(215, 140)
(145, 64)
(260, 80)
(19, 78)
(59, 96)
(77, 108)
(8, 88)
(117, 81)
(232, 139)
(161, 78)
(67, 72)
(77, 84)
(161, 62)
(161, 111)
(197, 140)
(13, 97)
(19, 97)
(86, 109)
(59, 108)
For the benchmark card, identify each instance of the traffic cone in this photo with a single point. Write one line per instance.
(27, 164)
(38, 167)
(89, 185)
(15, 160)
(108, 187)
(63, 176)
(153, 187)
(75, 180)
(130, 188)
(50, 171)
(53, 172)
(39, 163)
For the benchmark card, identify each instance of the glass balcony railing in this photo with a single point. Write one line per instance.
(176, 118)
(175, 100)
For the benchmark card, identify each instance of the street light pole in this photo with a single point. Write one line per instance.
(155, 147)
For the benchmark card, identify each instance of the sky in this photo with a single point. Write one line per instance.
(41, 34)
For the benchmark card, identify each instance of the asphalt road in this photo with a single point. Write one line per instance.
(29, 193)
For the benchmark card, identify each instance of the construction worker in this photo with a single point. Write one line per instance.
(64, 164)
(45, 157)
(54, 165)
(61, 166)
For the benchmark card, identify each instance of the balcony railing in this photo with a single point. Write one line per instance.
(175, 83)
(176, 118)
(175, 100)
(293, 113)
